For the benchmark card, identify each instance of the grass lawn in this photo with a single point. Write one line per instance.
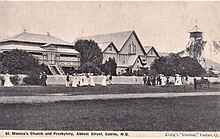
(149, 114)
(110, 89)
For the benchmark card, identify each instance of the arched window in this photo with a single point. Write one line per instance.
(132, 48)
(110, 48)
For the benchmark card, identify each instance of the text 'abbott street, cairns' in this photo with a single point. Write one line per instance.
(101, 134)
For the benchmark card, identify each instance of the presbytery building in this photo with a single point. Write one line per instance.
(53, 52)
(126, 48)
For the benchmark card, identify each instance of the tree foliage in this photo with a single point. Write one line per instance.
(90, 55)
(216, 46)
(110, 66)
(19, 62)
(174, 64)
(196, 47)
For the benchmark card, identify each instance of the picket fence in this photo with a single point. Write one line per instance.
(60, 80)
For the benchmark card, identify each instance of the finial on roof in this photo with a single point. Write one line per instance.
(196, 26)
(48, 33)
(24, 30)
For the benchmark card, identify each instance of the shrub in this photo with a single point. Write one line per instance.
(32, 80)
(109, 66)
(19, 62)
(15, 80)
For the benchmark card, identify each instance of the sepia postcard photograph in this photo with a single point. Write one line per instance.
(116, 69)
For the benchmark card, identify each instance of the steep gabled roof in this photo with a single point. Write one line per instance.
(132, 60)
(103, 46)
(148, 48)
(36, 38)
(118, 38)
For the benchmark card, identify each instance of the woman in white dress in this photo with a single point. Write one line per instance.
(83, 79)
(178, 80)
(104, 80)
(163, 80)
(80, 78)
(74, 80)
(86, 82)
(92, 83)
(77, 80)
(7, 82)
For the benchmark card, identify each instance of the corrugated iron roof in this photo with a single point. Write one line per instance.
(26, 48)
(103, 45)
(118, 38)
(66, 50)
(36, 38)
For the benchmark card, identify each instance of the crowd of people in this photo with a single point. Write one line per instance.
(86, 79)
(164, 80)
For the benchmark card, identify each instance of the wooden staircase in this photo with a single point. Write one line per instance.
(56, 70)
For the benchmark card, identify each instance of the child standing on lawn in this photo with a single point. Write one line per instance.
(92, 83)
(74, 80)
(145, 79)
(104, 80)
(67, 80)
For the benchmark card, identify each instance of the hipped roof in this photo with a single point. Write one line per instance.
(195, 29)
(36, 38)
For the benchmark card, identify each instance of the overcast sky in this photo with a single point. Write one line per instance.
(164, 25)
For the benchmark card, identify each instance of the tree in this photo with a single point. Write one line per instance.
(19, 62)
(90, 55)
(174, 64)
(196, 47)
(110, 66)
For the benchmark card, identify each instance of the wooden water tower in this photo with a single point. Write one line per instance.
(195, 33)
(196, 36)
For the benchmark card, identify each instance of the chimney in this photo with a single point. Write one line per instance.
(48, 33)
(24, 30)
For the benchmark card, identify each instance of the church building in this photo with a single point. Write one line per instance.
(126, 48)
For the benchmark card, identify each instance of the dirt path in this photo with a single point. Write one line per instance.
(65, 97)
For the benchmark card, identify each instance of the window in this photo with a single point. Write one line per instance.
(151, 51)
(110, 48)
(132, 48)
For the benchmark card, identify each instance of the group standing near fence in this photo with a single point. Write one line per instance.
(86, 79)
(164, 80)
